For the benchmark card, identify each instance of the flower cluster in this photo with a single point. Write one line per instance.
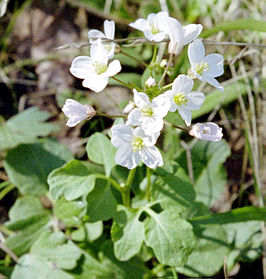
(136, 138)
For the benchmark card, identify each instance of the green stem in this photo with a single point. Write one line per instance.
(111, 180)
(6, 190)
(126, 189)
(148, 188)
(167, 86)
(185, 129)
(111, 115)
(154, 54)
(123, 83)
(166, 69)
(134, 58)
(175, 276)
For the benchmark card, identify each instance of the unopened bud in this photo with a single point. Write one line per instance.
(150, 82)
(206, 131)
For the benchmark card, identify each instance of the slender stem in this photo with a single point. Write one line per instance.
(134, 58)
(175, 276)
(167, 86)
(154, 54)
(9, 252)
(6, 190)
(111, 180)
(111, 115)
(148, 188)
(166, 69)
(126, 189)
(185, 129)
(123, 83)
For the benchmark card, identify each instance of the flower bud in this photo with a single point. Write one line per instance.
(206, 131)
(129, 107)
(150, 82)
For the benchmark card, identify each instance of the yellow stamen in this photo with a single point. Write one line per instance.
(137, 144)
(99, 68)
(180, 99)
(147, 111)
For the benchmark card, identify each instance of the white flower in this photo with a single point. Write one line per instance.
(134, 145)
(148, 115)
(109, 33)
(206, 131)
(183, 98)
(150, 82)
(129, 107)
(95, 69)
(154, 28)
(77, 112)
(205, 68)
(181, 35)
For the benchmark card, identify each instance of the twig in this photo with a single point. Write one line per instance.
(12, 255)
(166, 69)
(188, 148)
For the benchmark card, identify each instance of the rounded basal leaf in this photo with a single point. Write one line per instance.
(127, 233)
(72, 181)
(170, 237)
(28, 165)
(101, 151)
(207, 257)
(101, 204)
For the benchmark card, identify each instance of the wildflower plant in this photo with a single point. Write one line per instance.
(139, 208)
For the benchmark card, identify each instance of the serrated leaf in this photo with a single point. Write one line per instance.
(88, 232)
(207, 257)
(72, 180)
(101, 151)
(36, 267)
(54, 248)
(69, 211)
(25, 127)
(28, 165)
(170, 237)
(101, 204)
(209, 173)
(127, 233)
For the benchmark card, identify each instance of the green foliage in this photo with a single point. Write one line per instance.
(101, 151)
(72, 180)
(25, 127)
(28, 165)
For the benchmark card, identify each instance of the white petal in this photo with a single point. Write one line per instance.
(185, 114)
(72, 107)
(176, 36)
(95, 82)
(191, 32)
(141, 99)
(109, 29)
(81, 67)
(126, 157)
(74, 120)
(182, 84)
(206, 131)
(195, 100)
(161, 104)
(140, 24)
(216, 67)
(134, 117)
(214, 82)
(113, 68)
(149, 140)
(151, 157)
(196, 52)
(94, 34)
(121, 135)
(152, 125)
(98, 52)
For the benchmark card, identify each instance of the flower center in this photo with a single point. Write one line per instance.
(154, 29)
(206, 130)
(201, 67)
(99, 68)
(137, 144)
(180, 99)
(147, 111)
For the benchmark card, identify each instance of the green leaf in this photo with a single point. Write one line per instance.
(128, 78)
(28, 218)
(101, 151)
(173, 189)
(88, 232)
(25, 127)
(216, 98)
(170, 237)
(243, 214)
(209, 173)
(28, 165)
(207, 257)
(132, 269)
(237, 24)
(101, 204)
(72, 180)
(52, 247)
(69, 211)
(127, 61)
(36, 267)
(127, 233)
